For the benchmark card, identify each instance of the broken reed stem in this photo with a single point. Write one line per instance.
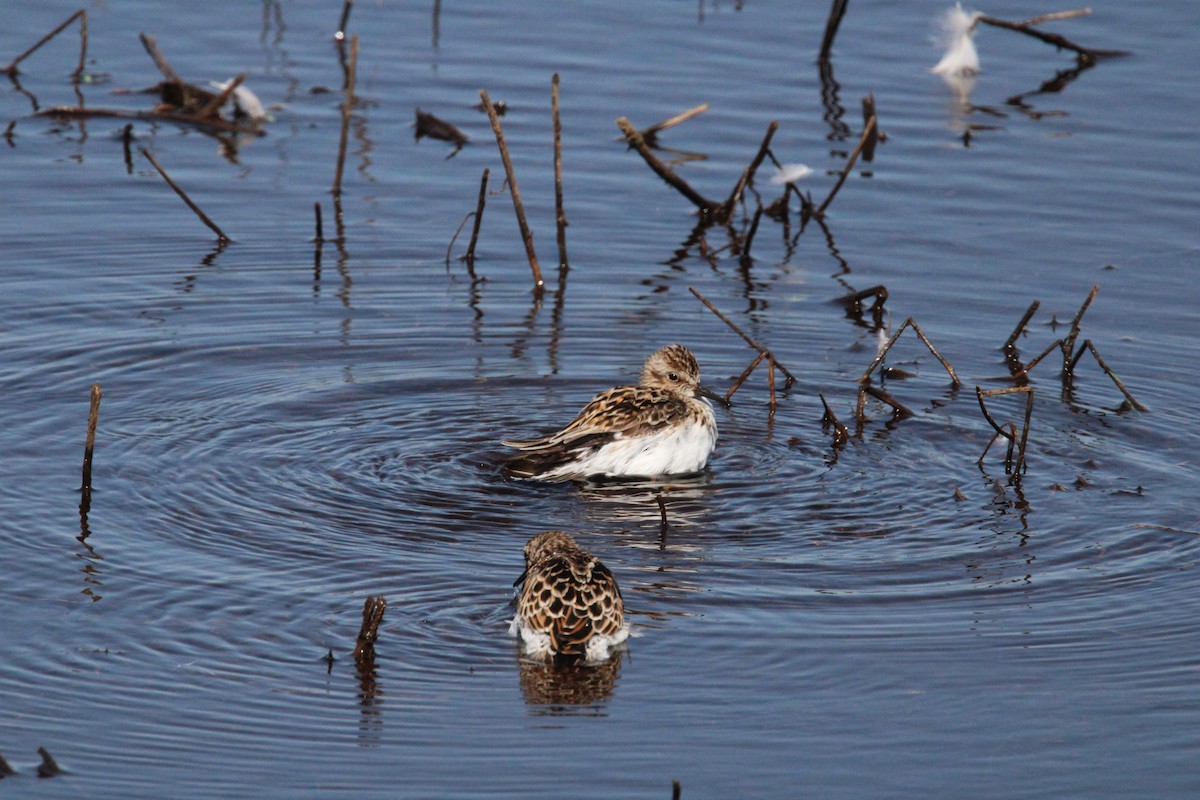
(1017, 331)
(708, 208)
(1069, 340)
(90, 443)
(454, 238)
(159, 60)
(372, 616)
(214, 106)
(750, 234)
(347, 104)
(1048, 38)
(921, 335)
(1054, 15)
(742, 378)
(483, 182)
(526, 234)
(1010, 466)
(771, 382)
(841, 434)
(790, 377)
(320, 226)
(560, 216)
(748, 174)
(675, 120)
(837, 10)
(1025, 370)
(11, 69)
(1087, 345)
(221, 237)
(868, 131)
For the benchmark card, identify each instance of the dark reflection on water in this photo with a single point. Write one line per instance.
(291, 424)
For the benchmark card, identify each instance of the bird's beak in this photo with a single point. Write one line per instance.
(521, 579)
(711, 395)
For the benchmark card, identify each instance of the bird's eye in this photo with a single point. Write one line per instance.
(673, 376)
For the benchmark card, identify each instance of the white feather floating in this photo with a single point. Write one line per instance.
(790, 173)
(245, 102)
(961, 58)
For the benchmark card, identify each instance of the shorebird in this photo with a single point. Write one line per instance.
(663, 426)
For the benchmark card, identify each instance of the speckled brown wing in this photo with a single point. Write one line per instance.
(571, 596)
(626, 410)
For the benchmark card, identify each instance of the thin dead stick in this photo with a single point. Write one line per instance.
(1048, 38)
(862, 142)
(880, 293)
(921, 335)
(1069, 339)
(11, 69)
(737, 384)
(320, 226)
(347, 104)
(454, 238)
(560, 216)
(750, 234)
(649, 132)
(1055, 15)
(841, 434)
(790, 377)
(1017, 331)
(214, 106)
(708, 208)
(868, 108)
(368, 632)
(526, 234)
(160, 61)
(748, 174)
(1011, 433)
(1087, 345)
(340, 34)
(771, 381)
(221, 237)
(483, 182)
(90, 444)
(1025, 370)
(837, 10)
(882, 396)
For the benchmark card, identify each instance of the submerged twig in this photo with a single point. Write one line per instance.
(183, 195)
(526, 234)
(81, 14)
(790, 377)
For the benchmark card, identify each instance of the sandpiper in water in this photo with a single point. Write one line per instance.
(662, 426)
(569, 604)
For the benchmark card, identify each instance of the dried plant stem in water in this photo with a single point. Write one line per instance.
(195, 208)
(748, 174)
(372, 616)
(1087, 345)
(90, 443)
(737, 384)
(480, 203)
(790, 377)
(708, 208)
(560, 216)
(1017, 331)
(867, 133)
(920, 334)
(518, 207)
(81, 15)
(1009, 432)
(837, 10)
(347, 104)
(841, 434)
(1027, 28)
(648, 133)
